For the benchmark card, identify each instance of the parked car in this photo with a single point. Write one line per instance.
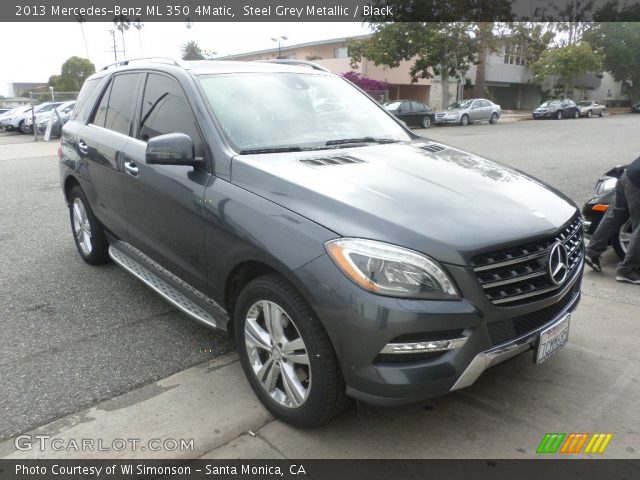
(345, 255)
(464, 112)
(635, 108)
(63, 115)
(589, 108)
(26, 125)
(17, 121)
(412, 113)
(7, 119)
(594, 209)
(557, 109)
(4, 110)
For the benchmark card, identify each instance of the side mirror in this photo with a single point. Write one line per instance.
(171, 149)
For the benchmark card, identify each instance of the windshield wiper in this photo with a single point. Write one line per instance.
(251, 151)
(344, 141)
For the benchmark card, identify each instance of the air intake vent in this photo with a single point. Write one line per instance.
(333, 160)
(432, 147)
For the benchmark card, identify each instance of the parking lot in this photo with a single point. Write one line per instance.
(75, 335)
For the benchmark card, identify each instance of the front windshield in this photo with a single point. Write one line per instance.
(550, 103)
(460, 104)
(294, 111)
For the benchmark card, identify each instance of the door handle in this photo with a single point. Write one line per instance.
(83, 147)
(131, 168)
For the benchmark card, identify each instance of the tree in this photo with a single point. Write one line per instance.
(567, 63)
(191, 51)
(620, 43)
(72, 75)
(444, 49)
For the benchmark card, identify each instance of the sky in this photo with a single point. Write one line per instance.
(40, 49)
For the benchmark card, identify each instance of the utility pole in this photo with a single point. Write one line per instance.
(115, 51)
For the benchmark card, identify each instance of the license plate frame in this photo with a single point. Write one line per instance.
(553, 339)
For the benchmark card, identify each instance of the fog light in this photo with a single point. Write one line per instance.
(429, 346)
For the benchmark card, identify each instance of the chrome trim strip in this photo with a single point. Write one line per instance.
(514, 279)
(489, 358)
(431, 346)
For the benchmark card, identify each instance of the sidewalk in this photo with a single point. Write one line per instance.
(591, 386)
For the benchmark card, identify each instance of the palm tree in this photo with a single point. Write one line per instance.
(122, 23)
(191, 51)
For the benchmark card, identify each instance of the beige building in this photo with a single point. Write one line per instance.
(334, 56)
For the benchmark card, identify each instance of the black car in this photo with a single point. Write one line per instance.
(557, 109)
(635, 108)
(345, 255)
(596, 207)
(412, 113)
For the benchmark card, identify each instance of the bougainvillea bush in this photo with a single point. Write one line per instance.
(363, 82)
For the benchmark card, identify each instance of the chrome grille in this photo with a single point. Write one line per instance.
(519, 274)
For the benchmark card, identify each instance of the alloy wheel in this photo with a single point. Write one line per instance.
(426, 121)
(277, 353)
(625, 235)
(82, 227)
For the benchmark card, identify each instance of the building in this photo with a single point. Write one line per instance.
(334, 56)
(22, 89)
(13, 102)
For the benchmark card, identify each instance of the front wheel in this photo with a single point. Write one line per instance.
(464, 120)
(602, 113)
(494, 119)
(286, 353)
(426, 121)
(589, 114)
(87, 230)
(620, 242)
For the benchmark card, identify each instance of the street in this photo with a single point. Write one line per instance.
(76, 335)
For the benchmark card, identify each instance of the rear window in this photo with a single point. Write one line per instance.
(86, 90)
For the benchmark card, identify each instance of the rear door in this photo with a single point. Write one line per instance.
(164, 202)
(100, 145)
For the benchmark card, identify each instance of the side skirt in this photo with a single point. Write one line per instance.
(173, 289)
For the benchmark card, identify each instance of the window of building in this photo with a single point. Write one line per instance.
(340, 52)
(165, 109)
(514, 55)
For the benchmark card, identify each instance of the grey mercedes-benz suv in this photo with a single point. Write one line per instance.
(345, 255)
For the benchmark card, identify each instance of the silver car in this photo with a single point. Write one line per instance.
(589, 108)
(464, 112)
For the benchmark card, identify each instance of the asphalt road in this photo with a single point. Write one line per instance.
(75, 334)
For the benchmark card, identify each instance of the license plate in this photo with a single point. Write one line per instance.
(553, 339)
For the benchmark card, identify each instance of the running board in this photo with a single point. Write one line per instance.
(165, 289)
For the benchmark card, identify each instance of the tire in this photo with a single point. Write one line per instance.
(426, 121)
(87, 230)
(619, 245)
(310, 394)
(20, 125)
(464, 120)
(494, 119)
(601, 114)
(589, 114)
(577, 114)
(559, 115)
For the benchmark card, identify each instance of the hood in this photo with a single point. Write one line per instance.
(448, 204)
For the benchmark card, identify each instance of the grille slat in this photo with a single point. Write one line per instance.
(519, 273)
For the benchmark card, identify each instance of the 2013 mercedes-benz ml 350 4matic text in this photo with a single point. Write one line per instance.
(346, 256)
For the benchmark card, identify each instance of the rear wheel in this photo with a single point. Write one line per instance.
(620, 242)
(576, 114)
(464, 120)
(559, 115)
(88, 232)
(602, 113)
(426, 121)
(286, 353)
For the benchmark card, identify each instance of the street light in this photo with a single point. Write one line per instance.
(279, 40)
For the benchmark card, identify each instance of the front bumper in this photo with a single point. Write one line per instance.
(361, 325)
(537, 115)
(442, 120)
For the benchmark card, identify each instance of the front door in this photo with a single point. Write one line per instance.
(164, 202)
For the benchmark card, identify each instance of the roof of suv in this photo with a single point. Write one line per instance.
(204, 67)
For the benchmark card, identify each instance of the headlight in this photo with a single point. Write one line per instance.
(390, 270)
(606, 185)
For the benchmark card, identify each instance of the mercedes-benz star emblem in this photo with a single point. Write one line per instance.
(558, 264)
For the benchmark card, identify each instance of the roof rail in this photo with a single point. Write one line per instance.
(129, 60)
(289, 61)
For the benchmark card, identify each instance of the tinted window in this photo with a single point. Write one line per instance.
(121, 103)
(87, 89)
(101, 112)
(165, 110)
(415, 106)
